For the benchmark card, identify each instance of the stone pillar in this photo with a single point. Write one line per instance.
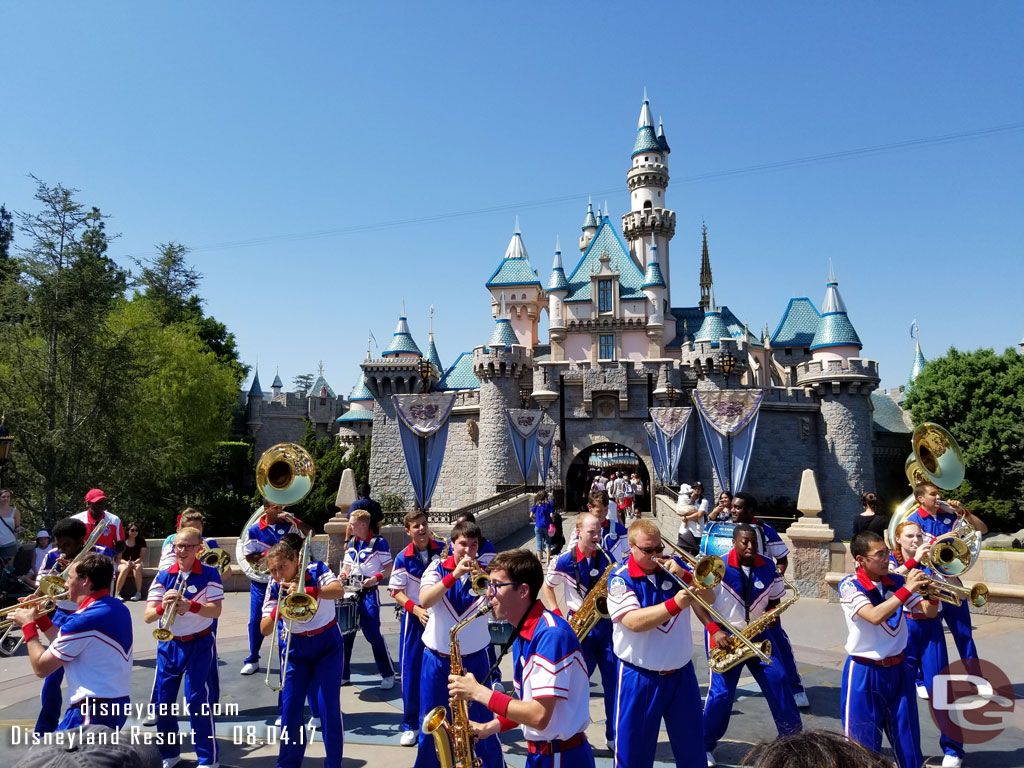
(337, 527)
(809, 559)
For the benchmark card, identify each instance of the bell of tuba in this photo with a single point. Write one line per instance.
(216, 557)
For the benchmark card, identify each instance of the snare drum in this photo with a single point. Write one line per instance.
(500, 631)
(717, 539)
(348, 614)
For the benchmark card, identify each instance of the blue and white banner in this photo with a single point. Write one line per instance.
(545, 441)
(522, 429)
(728, 419)
(423, 428)
(652, 445)
(670, 428)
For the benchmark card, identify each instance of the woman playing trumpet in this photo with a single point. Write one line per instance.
(185, 600)
(312, 666)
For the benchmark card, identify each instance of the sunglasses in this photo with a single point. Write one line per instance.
(650, 550)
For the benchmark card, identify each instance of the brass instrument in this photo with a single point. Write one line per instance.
(722, 659)
(761, 650)
(479, 580)
(216, 557)
(708, 571)
(454, 741)
(937, 589)
(163, 625)
(595, 603)
(297, 606)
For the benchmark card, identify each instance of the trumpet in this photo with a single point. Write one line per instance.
(297, 606)
(954, 594)
(216, 557)
(479, 580)
(163, 625)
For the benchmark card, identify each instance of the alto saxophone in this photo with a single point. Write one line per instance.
(454, 742)
(595, 604)
(723, 659)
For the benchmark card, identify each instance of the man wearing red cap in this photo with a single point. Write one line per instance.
(96, 514)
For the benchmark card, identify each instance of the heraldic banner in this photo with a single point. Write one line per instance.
(670, 427)
(545, 440)
(728, 419)
(652, 446)
(522, 428)
(423, 427)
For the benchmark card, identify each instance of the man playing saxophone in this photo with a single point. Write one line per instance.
(750, 588)
(185, 600)
(576, 572)
(447, 594)
(550, 676)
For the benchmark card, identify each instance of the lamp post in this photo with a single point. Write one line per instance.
(727, 365)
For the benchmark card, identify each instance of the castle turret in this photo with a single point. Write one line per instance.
(835, 336)
(589, 227)
(662, 141)
(558, 289)
(254, 405)
(654, 289)
(516, 283)
(356, 424)
(918, 366)
(402, 344)
(433, 356)
(705, 271)
(277, 386)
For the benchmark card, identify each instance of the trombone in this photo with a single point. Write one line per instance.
(163, 625)
(297, 606)
(708, 571)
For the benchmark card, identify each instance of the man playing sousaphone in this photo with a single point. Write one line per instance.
(273, 525)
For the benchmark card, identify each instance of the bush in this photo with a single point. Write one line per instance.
(390, 502)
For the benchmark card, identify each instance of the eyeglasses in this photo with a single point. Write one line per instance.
(494, 586)
(185, 546)
(650, 550)
(882, 554)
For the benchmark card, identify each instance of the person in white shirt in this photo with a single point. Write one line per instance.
(550, 675)
(38, 556)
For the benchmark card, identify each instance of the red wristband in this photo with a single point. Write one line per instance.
(44, 624)
(506, 724)
(160, 610)
(30, 631)
(711, 627)
(313, 591)
(379, 577)
(498, 703)
(672, 606)
(194, 607)
(409, 605)
(273, 614)
(903, 594)
(911, 563)
(448, 581)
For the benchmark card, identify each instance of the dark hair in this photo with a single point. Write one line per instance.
(923, 486)
(541, 496)
(725, 493)
(742, 528)
(283, 549)
(813, 749)
(467, 528)
(862, 543)
(748, 499)
(522, 567)
(468, 517)
(69, 528)
(870, 500)
(598, 499)
(97, 569)
(293, 540)
(190, 515)
(363, 490)
(134, 524)
(412, 516)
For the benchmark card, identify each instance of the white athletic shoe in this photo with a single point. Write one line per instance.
(150, 718)
(387, 683)
(249, 668)
(952, 761)
(711, 761)
(922, 693)
(277, 722)
(314, 722)
(170, 762)
(409, 738)
(801, 700)
(136, 597)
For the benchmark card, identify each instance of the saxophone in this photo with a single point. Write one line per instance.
(454, 742)
(595, 603)
(723, 659)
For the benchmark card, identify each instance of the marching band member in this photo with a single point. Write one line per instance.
(549, 675)
(484, 555)
(273, 524)
(69, 537)
(367, 561)
(744, 509)
(191, 594)
(750, 588)
(878, 683)
(651, 636)
(936, 520)
(315, 657)
(614, 539)
(445, 593)
(189, 518)
(576, 572)
(926, 642)
(93, 647)
(96, 513)
(404, 585)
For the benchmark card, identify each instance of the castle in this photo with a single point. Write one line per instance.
(617, 346)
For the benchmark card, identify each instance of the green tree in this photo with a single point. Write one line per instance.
(8, 266)
(979, 397)
(303, 382)
(331, 459)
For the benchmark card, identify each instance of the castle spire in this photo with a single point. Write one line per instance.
(705, 270)
(646, 139)
(589, 221)
(834, 328)
(401, 341)
(653, 277)
(662, 141)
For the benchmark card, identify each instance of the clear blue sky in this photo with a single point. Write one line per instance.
(213, 124)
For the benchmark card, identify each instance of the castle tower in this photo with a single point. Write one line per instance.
(844, 382)
(322, 405)
(402, 345)
(558, 289)
(589, 227)
(503, 367)
(515, 286)
(715, 350)
(356, 424)
(918, 366)
(647, 180)
(277, 386)
(705, 272)
(254, 405)
(654, 289)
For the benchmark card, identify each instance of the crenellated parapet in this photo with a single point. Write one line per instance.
(638, 225)
(854, 375)
(649, 174)
(394, 376)
(501, 362)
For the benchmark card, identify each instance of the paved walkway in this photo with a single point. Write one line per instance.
(372, 716)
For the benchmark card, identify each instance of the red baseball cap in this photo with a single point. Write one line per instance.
(95, 495)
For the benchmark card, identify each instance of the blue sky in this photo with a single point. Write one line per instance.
(285, 143)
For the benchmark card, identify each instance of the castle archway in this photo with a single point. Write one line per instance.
(606, 458)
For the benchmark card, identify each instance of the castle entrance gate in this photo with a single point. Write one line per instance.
(606, 458)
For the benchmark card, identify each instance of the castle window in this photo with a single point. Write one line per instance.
(606, 349)
(648, 205)
(604, 295)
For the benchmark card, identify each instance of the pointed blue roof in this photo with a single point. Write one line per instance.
(277, 381)
(798, 324)
(515, 268)
(402, 341)
(691, 318)
(834, 329)
(503, 335)
(319, 384)
(919, 362)
(460, 375)
(256, 389)
(653, 277)
(630, 276)
(662, 141)
(646, 141)
(360, 391)
(557, 281)
(433, 357)
(359, 415)
(590, 222)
